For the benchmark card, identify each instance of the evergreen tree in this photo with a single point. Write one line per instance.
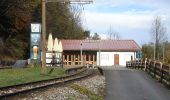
(96, 36)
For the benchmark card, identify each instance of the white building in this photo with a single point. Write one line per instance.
(99, 52)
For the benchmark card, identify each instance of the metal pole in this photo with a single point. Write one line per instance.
(43, 70)
(99, 53)
(154, 52)
(81, 54)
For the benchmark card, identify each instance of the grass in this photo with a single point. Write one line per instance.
(87, 92)
(10, 77)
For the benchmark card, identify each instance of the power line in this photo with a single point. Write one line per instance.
(72, 1)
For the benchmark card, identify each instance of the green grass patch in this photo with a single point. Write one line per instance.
(10, 77)
(87, 92)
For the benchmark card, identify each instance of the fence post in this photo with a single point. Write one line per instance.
(145, 64)
(154, 69)
(126, 65)
(142, 64)
(135, 64)
(161, 76)
(132, 64)
(149, 67)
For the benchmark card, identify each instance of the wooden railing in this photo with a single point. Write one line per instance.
(156, 69)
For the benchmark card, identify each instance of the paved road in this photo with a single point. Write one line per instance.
(127, 84)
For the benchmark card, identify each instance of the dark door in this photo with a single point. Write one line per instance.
(116, 59)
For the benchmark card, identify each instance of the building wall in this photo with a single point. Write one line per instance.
(107, 58)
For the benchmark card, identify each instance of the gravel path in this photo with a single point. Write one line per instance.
(96, 84)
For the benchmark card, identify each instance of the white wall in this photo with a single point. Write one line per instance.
(107, 58)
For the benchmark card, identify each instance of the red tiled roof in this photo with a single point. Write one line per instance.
(104, 45)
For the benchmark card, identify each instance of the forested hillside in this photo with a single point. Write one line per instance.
(15, 18)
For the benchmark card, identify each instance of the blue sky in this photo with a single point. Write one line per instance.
(131, 18)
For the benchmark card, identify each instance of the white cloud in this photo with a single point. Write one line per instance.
(123, 20)
(128, 22)
(150, 3)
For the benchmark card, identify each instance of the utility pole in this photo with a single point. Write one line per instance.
(44, 25)
(43, 71)
(81, 58)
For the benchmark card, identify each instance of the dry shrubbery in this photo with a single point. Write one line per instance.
(167, 57)
(11, 50)
(148, 51)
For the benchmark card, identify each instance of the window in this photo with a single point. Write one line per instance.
(104, 56)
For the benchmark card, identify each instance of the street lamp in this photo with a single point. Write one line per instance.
(99, 51)
(81, 59)
(89, 42)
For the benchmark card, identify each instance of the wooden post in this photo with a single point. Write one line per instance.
(93, 60)
(154, 70)
(67, 60)
(72, 60)
(78, 60)
(161, 76)
(145, 64)
(85, 60)
(135, 62)
(63, 60)
(89, 58)
(43, 70)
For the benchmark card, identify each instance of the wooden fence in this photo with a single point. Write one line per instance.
(156, 69)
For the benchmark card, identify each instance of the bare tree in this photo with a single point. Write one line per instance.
(113, 35)
(158, 35)
(76, 13)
